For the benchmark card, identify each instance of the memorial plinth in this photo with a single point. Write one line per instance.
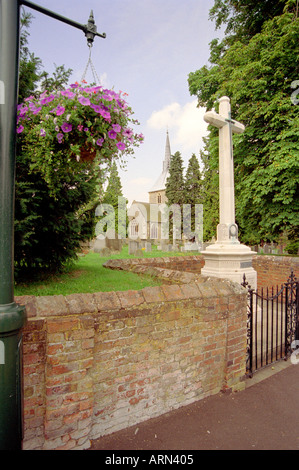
(227, 258)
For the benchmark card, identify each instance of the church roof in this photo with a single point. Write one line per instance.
(160, 184)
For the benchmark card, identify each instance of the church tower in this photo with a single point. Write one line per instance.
(157, 193)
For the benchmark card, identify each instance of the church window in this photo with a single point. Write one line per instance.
(134, 228)
(154, 231)
(159, 198)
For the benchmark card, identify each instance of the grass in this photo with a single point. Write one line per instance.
(88, 275)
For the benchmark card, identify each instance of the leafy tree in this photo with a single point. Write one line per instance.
(193, 190)
(175, 194)
(257, 75)
(175, 184)
(30, 66)
(57, 81)
(210, 189)
(244, 18)
(111, 197)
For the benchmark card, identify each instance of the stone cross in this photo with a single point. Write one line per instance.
(227, 229)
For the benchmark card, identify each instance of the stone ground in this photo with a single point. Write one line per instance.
(264, 416)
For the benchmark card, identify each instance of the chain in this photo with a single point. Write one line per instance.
(92, 67)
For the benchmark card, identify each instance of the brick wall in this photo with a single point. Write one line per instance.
(97, 363)
(271, 270)
(274, 270)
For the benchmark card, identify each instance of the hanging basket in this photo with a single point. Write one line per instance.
(87, 154)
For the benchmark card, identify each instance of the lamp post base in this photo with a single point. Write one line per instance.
(12, 320)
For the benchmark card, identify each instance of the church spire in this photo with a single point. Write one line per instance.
(166, 162)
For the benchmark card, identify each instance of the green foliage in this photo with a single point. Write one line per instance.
(244, 18)
(257, 75)
(57, 186)
(175, 194)
(175, 185)
(111, 197)
(193, 195)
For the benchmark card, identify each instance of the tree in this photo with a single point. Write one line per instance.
(175, 194)
(30, 66)
(57, 188)
(111, 197)
(257, 74)
(244, 18)
(193, 191)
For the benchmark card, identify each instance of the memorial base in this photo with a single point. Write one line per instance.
(230, 261)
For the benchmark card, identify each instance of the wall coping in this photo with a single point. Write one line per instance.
(179, 286)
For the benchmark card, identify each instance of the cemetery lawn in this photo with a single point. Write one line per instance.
(87, 275)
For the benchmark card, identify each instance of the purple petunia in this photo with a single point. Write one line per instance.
(116, 127)
(60, 137)
(66, 127)
(100, 142)
(20, 129)
(68, 93)
(121, 146)
(42, 132)
(112, 134)
(97, 108)
(59, 110)
(128, 133)
(84, 101)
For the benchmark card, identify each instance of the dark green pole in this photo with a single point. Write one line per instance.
(12, 316)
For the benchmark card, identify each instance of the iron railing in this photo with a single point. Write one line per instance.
(272, 323)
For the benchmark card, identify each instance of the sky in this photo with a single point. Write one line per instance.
(151, 46)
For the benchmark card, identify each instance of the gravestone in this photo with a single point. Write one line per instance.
(133, 247)
(109, 241)
(227, 258)
(190, 246)
(148, 247)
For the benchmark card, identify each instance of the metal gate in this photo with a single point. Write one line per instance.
(272, 324)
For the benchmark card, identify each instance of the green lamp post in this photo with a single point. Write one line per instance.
(12, 315)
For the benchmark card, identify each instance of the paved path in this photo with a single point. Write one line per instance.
(265, 416)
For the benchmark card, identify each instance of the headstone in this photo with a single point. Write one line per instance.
(267, 249)
(139, 252)
(148, 247)
(133, 247)
(227, 258)
(108, 241)
(99, 244)
(189, 246)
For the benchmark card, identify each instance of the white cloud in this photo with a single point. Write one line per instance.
(186, 123)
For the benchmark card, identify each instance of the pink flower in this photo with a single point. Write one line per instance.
(68, 93)
(128, 133)
(112, 134)
(107, 97)
(100, 142)
(84, 101)
(116, 127)
(59, 110)
(97, 108)
(80, 127)
(121, 146)
(66, 127)
(20, 129)
(60, 137)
